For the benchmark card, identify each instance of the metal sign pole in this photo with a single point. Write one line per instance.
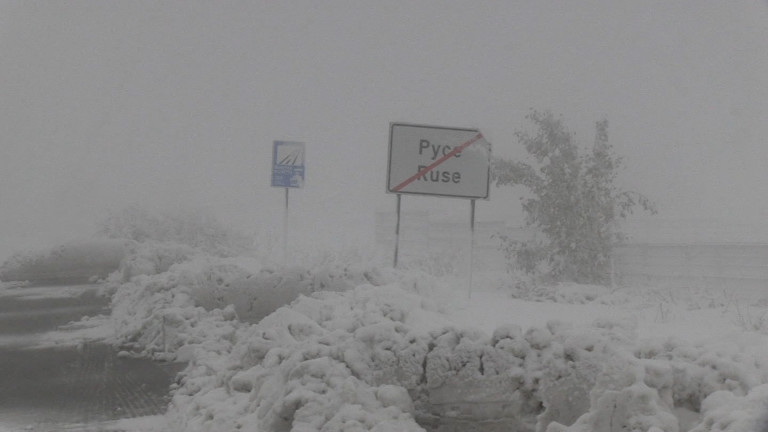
(287, 172)
(285, 229)
(397, 231)
(471, 243)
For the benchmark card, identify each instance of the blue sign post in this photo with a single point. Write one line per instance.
(288, 164)
(288, 173)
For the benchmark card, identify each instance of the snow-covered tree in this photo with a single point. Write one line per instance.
(574, 201)
(193, 228)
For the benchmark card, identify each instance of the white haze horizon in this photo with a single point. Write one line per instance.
(174, 106)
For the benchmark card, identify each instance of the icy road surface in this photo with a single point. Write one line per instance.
(58, 383)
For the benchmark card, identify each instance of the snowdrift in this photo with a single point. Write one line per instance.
(362, 360)
(334, 346)
(162, 292)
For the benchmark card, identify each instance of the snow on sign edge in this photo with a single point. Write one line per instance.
(453, 162)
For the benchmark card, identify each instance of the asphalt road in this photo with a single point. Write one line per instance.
(52, 388)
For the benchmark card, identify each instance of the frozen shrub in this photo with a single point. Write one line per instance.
(157, 314)
(574, 202)
(573, 363)
(256, 295)
(509, 339)
(698, 372)
(538, 338)
(396, 396)
(633, 408)
(142, 328)
(152, 258)
(208, 279)
(391, 354)
(725, 412)
(297, 373)
(454, 354)
(194, 229)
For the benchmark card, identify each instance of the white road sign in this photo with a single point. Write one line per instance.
(443, 161)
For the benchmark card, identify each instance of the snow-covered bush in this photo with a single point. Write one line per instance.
(725, 412)
(195, 229)
(665, 376)
(574, 201)
(156, 310)
(573, 364)
(306, 367)
(152, 258)
(632, 408)
(697, 371)
(255, 296)
(751, 318)
(165, 287)
(153, 316)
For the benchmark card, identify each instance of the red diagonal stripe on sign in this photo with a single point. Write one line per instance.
(434, 164)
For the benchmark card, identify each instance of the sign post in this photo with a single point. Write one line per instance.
(287, 172)
(471, 244)
(397, 232)
(438, 161)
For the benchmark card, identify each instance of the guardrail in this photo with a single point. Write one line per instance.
(674, 264)
(731, 265)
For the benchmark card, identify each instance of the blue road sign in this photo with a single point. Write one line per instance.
(288, 164)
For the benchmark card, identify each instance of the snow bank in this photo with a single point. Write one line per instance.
(168, 296)
(694, 371)
(301, 368)
(726, 412)
(306, 364)
(189, 311)
(665, 378)
(157, 314)
(339, 347)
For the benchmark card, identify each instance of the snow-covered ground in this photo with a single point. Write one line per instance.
(347, 346)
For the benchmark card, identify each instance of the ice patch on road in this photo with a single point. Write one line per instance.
(98, 328)
(46, 292)
(154, 423)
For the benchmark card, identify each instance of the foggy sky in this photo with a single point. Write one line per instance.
(174, 105)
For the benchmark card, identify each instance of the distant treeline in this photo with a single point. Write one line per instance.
(71, 263)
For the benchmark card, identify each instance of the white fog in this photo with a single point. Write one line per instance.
(174, 105)
(169, 110)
